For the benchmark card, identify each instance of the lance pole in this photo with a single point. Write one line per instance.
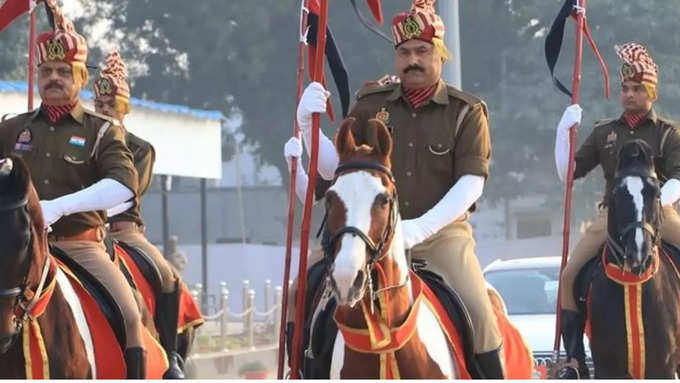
(31, 56)
(291, 189)
(317, 75)
(580, 14)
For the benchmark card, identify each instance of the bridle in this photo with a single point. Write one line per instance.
(615, 243)
(376, 251)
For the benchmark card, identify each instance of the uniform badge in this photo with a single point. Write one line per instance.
(77, 141)
(105, 87)
(611, 137)
(25, 137)
(55, 50)
(24, 141)
(383, 115)
(627, 71)
(412, 29)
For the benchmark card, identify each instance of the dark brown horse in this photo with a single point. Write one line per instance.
(45, 317)
(634, 306)
(27, 269)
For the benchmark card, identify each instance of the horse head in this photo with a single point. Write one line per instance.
(634, 209)
(362, 211)
(21, 239)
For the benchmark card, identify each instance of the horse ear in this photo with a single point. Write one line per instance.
(344, 140)
(380, 138)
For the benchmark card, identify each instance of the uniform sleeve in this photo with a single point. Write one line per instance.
(114, 159)
(671, 153)
(473, 144)
(587, 156)
(144, 160)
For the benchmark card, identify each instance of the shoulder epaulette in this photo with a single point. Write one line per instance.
(104, 117)
(464, 96)
(373, 88)
(604, 122)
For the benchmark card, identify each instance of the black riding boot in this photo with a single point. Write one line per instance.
(135, 360)
(490, 364)
(572, 324)
(167, 313)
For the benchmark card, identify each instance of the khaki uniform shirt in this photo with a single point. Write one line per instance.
(433, 146)
(69, 155)
(144, 157)
(609, 136)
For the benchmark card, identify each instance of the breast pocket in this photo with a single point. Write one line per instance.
(437, 157)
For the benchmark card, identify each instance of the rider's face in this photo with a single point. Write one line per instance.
(418, 64)
(634, 97)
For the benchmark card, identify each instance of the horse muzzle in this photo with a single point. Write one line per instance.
(349, 293)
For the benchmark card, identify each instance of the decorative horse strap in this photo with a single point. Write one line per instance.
(35, 351)
(632, 285)
(381, 338)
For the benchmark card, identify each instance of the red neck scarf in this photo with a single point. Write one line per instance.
(419, 97)
(55, 113)
(634, 120)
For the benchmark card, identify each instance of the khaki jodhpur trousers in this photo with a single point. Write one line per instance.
(589, 245)
(451, 253)
(136, 238)
(93, 257)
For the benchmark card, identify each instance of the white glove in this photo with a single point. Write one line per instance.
(454, 204)
(293, 148)
(571, 116)
(313, 100)
(670, 192)
(123, 207)
(412, 232)
(52, 210)
(103, 195)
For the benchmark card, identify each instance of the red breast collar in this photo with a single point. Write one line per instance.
(377, 338)
(625, 277)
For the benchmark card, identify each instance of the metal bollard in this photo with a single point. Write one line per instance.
(267, 297)
(278, 296)
(251, 318)
(245, 287)
(196, 293)
(224, 307)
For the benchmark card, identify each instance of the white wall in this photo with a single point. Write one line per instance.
(185, 145)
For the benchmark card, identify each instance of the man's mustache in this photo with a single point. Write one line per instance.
(54, 85)
(414, 67)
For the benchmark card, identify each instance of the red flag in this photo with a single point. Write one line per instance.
(12, 9)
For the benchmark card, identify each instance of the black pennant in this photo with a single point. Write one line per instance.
(553, 42)
(335, 62)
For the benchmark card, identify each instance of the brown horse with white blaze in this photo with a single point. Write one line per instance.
(389, 327)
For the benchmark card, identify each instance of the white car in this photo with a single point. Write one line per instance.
(529, 288)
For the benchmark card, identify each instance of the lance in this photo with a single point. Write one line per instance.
(553, 43)
(31, 55)
(291, 190)
(317, 75)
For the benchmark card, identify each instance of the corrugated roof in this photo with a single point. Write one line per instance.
(20, 87)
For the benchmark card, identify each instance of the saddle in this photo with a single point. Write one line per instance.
(317, 352)
(588, 272)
